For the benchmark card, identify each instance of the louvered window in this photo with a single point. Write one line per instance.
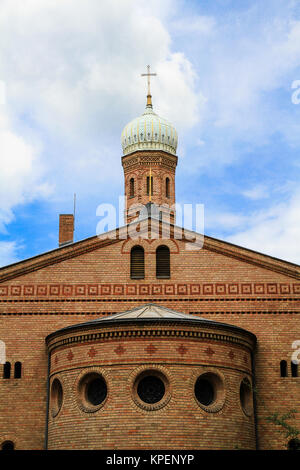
(137, 264)
(131, 184)
(163, 262)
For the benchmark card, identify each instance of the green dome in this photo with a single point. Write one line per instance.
(149, 132)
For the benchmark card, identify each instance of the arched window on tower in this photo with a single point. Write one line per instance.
(131, 187)
(167, 187)
(6, 370)
(148, 185)
(137, 263)
(294, 369)
(283, 369)
(18, 370)
(163, 262)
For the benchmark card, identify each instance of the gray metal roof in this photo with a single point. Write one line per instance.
(152, 311)
(149, 313)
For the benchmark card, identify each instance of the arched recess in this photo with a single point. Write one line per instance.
(131, 187)
(7, 445)
(168, 187)
(6, 370)
(18, 370)
(283, 369)
(294, 369)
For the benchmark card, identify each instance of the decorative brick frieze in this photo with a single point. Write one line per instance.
(97, 290)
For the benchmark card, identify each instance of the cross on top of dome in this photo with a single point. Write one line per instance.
(149, 131)
(148, 75)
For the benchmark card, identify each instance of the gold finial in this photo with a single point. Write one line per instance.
(148, 75)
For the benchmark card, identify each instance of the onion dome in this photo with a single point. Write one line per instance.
(149, 132)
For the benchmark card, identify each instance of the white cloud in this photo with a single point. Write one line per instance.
(203, 25)
(224, 220)
(20, 171)
(76, 63)
(72, 73)
(257, 192)
(8, 253)
(275, 231)
(2, 92)
(257, 68)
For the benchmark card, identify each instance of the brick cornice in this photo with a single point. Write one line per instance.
(80, 334)
(145, 158)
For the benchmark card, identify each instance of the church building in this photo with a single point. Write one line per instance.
(167, 339)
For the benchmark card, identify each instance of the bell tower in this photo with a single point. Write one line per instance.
(149, 161)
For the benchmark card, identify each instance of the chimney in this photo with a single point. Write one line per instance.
(66, 229)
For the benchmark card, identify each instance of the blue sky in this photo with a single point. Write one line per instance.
(225, 71)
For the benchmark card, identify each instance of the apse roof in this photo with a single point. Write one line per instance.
(150, 313)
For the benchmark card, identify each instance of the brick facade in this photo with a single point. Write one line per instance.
(90, 279)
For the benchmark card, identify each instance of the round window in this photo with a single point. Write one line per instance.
(151, 389)
(96, 391)
(56, 397)
(204, 391)
(209, 391)
(92, 392)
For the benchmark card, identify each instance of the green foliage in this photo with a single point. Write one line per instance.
(290, 432)
(280, 420)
